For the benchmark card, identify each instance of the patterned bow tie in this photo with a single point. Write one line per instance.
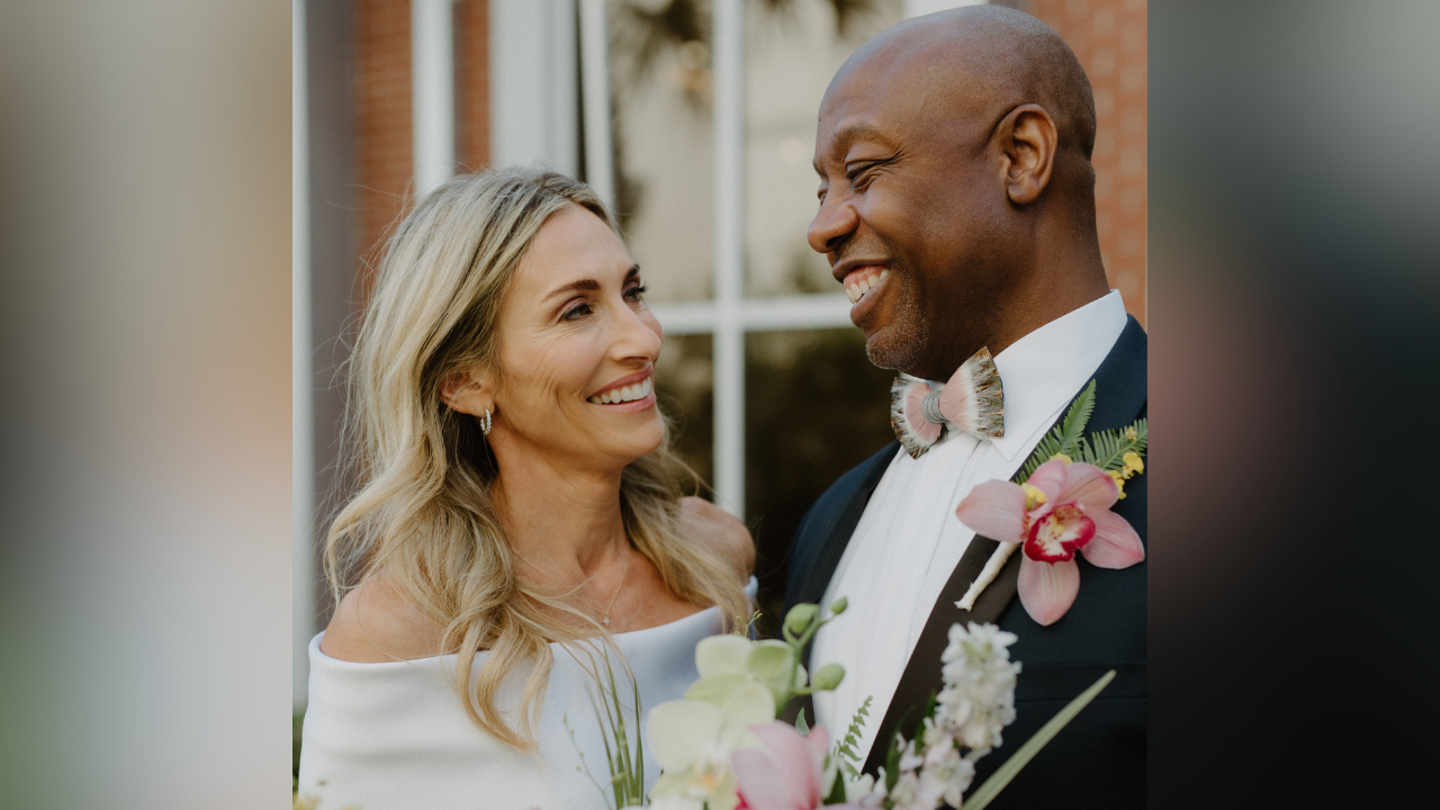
(971, 402)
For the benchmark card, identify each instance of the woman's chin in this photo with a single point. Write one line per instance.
(649, 440)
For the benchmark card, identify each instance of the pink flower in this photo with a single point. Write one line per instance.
(786, 776)
(1062, 508)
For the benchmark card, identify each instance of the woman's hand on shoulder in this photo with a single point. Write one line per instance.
(374, 623)
(722, 531)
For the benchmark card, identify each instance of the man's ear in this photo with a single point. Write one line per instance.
(1028, 140)
(468, 392)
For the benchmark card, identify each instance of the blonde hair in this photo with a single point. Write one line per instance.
(424, 512)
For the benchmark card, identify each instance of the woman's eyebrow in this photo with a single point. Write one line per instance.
(589, 284)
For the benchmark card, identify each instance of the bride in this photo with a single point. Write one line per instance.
(520, 519)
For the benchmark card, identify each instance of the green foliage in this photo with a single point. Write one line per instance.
(833, 673)
(1105, 449)
(837, 789)
(845, 751)
(583, 767)
(298, 725)
(892, 763)
(747, 628)
(627, 768)
(1073, 428)
(1065, 437)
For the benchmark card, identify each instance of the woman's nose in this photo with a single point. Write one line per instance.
(638, 335)
(835, 220)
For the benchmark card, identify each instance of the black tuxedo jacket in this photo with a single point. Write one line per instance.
(1098, 760)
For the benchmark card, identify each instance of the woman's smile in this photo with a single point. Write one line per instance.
(634, 392)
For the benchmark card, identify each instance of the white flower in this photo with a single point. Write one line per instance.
(946, 773)
(979, 695)
(693, 740)
(865, 790)
(728, 662)
(910, 755)
(906, 795)
(935, 736)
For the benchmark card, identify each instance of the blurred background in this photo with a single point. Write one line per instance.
(696, 120)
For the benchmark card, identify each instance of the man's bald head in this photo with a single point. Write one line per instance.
(992, 56)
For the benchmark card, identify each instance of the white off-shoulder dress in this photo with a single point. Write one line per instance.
(394, 735)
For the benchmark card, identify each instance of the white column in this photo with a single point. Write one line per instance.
(729, 75)
(302, 439)
(432, 71)
(595, 81)
(533, 89)
(915, 8)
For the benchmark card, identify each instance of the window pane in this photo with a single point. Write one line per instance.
(664, 158)
(815, 407)
(790, 59)
(684, 383)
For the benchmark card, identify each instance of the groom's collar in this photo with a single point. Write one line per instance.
(1042, 371)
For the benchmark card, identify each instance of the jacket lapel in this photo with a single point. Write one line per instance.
(1120, 396)
(822, 545)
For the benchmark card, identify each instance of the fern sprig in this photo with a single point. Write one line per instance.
(1066, 438)
(845, 749)
(1107, 448)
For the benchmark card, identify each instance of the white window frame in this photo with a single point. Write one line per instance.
(729, 315)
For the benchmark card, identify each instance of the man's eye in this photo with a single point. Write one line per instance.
(576, 312)
(858, 172)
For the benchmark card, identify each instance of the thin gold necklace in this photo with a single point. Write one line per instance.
(605, 614)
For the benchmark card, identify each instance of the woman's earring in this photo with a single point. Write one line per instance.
(485, 423)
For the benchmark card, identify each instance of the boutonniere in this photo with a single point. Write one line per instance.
(1059, 504)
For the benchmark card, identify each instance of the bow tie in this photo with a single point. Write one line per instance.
(971, 401)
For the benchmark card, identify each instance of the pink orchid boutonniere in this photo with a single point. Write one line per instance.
(1058, 505)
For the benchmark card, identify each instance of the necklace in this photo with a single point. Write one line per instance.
(605, 614)
(605, 617)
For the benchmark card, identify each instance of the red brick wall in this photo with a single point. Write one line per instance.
(384, 148)
(472, 86)
(1109, 37)
(383, 140)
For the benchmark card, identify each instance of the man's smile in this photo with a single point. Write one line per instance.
(859, 282)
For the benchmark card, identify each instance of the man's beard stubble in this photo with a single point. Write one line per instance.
(899, 344)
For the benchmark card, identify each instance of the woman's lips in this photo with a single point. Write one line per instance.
(633, 394)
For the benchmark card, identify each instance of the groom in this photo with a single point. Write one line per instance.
(957, 205)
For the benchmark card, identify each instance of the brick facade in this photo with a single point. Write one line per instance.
(384, 141)
(472, 83)
(1109, 37)
(384, 146)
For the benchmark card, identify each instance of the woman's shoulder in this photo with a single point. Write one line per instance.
(374, 623)
(722, 531)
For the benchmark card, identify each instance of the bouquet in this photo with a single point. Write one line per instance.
(722, 747)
